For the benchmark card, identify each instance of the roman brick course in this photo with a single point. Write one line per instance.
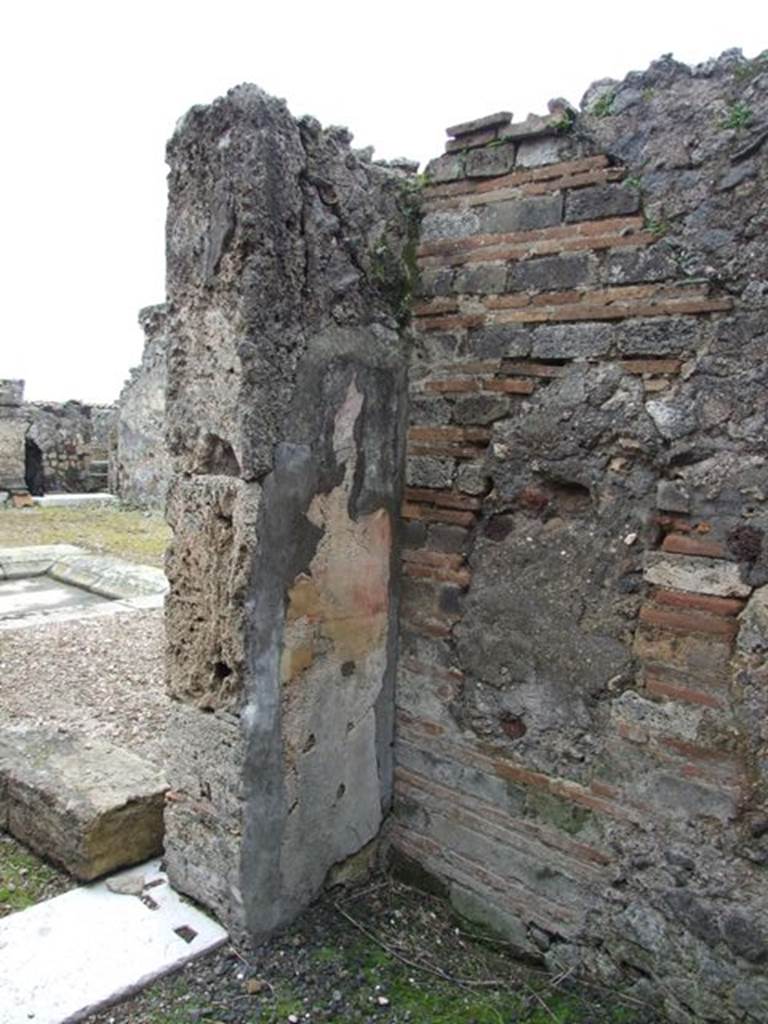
(589, 637)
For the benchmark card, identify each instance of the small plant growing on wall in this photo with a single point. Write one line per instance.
(603, 105)
(737, 116)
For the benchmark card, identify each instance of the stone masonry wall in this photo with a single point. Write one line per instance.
(12, 431)
(74, 441)
(583, 685)
(287, 282)
(142, 463)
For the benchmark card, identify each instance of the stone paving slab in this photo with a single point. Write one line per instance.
(109, 576)
(69, 956)
(40, 596)
(76, 500)
(126, 585)
(36, 560)
(85, 804)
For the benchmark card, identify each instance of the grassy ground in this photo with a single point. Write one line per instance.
(24, 878)
(136, 536)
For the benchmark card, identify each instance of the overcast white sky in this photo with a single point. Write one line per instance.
(91, 91)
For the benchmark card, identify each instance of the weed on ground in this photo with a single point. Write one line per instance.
(25, 879)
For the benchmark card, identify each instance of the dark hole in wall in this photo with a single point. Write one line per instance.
(217, 457)
(221, 670)
(33, 467)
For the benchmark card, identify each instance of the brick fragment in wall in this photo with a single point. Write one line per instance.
(601, 201)
(726, 607)
(684, 621)
(550, 273)
(680, 544)
(490, 162)
(442, 498)
(519, 214)
(613, 232)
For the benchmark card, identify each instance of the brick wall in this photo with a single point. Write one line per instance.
(580, 734)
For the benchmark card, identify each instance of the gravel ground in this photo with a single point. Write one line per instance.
(382, 953)
(96, 677)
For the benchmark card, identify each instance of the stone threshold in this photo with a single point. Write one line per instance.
(124, 586)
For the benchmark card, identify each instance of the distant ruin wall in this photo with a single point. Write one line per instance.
(285, 416)
(142, 464)
(583, 685)
(12, 431)
(74, 442)
(52, 446)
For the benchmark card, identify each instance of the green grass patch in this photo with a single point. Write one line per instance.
(24, 878)
(135, 536)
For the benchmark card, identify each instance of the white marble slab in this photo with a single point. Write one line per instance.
(63, 959)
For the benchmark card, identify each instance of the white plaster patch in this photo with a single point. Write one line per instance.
(66, 957)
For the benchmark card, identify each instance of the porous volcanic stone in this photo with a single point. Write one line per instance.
(85, 804)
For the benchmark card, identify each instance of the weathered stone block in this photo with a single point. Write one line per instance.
(550, 273)
(445, 168)
(601, 201)
(84, 804)
(490, 161)
(520, 214)
(11, 393)
(483, 279)
(442, 225)
(498, 340)
(571, 341)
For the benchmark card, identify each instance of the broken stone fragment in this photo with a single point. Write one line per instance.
(695, 575)
(82, 803)
(753, 635)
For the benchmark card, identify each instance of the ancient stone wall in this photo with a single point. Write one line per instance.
(287, 284)
(142, 464)
(70, 446)
(583, 686)
(12, 431)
